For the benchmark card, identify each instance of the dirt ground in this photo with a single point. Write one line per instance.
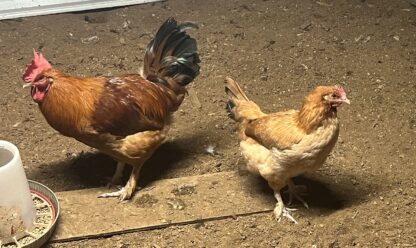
(365, 194)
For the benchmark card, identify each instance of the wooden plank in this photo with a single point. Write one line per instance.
(14, 9)
(161, 204)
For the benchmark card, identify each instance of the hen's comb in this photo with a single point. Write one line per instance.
(39, 63)
(341, 91)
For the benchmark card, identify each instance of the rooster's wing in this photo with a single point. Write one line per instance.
(131, 104)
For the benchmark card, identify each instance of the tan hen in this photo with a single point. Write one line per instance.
(282, 145)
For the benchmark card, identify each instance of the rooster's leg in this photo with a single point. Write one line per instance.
(280, 210)
(131, 184)
(144, 143)
(127, 191)
(294, 192)
(118, 175)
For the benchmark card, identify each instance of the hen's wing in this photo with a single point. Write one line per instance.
(278, 130)
(131, 104)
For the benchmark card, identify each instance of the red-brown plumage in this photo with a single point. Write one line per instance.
(130, 104)
(126, 117)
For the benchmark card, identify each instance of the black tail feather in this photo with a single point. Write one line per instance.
(172, 55)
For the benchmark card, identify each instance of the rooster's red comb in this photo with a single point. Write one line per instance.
(39, 63)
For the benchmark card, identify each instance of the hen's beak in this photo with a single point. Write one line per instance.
(346, 100)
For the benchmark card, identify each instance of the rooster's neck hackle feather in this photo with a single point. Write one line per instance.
(70, 101)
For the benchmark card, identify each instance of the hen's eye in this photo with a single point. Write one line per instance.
(334, 96)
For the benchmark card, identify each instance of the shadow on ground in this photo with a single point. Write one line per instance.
(322, 195)
(94, 169)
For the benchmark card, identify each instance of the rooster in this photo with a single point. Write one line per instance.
(126, 117)
(282, 145)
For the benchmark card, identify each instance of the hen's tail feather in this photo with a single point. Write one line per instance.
(239, 107)
(233, 90)
(228, 107)
(172, 55)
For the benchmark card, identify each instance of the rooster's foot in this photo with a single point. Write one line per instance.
(123, 194)
(113, 183)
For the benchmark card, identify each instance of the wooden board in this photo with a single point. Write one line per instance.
(21, 8)
(163, 203)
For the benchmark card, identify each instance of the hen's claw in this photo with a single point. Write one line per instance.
(293, 192)
(281, 211)
(286, 213)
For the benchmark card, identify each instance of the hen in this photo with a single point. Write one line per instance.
(126, 117)
(282, 145)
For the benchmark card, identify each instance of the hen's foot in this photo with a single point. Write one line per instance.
(295, 191)
(281, 211)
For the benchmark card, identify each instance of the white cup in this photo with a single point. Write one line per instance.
(14, 188)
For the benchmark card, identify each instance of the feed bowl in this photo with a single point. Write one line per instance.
(47, 213)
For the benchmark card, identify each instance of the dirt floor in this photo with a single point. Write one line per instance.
(365, 194)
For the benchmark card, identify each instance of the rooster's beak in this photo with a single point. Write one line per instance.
(27, 85)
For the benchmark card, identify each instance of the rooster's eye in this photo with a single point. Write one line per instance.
(39, 78)
(334, 96)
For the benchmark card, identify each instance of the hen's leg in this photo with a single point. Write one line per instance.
(281, 211)
(294, 192)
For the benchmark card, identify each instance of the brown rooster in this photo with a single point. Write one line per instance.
(126, 117)
(282, 145)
